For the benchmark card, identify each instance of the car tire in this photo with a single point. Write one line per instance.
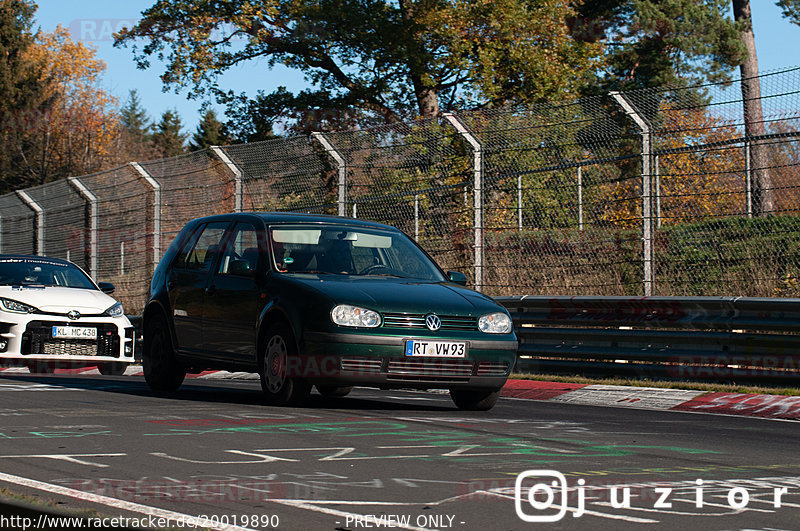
(333, 391)
(112, 369)
(475, 399)
(279, 388)
(162, 371)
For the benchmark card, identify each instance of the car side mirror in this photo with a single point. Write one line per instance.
(457, 278)
(106, 287)
(241, 268)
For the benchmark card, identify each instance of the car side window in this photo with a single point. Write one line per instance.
(241, 251)
(202, 249)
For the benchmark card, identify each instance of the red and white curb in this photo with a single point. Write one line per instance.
(765, 406)
(652, 398)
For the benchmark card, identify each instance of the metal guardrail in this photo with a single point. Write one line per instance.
(733, 339)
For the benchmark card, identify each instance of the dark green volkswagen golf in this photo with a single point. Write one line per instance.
(320, 301)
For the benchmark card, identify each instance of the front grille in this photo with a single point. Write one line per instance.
(492, 368)
(431, 369)
(417, 321)
(69, 347)
(361, 365)
(37, 339)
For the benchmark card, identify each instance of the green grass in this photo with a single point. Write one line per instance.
(708, 387)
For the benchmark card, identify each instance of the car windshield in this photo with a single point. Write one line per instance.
(23, 271)
(343, 250)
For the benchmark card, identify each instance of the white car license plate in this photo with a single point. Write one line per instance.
(436, 349)
(74, 332)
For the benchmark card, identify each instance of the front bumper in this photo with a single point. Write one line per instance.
(380, 361)
(27, 338)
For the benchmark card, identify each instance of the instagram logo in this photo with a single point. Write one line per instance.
(544, 491)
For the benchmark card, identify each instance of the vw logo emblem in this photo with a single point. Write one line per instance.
(433, 322)
(74, 314)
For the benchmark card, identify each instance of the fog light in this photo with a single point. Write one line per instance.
(3, 345)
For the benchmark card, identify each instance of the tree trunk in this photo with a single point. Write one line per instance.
(763, 202)
(426, 95)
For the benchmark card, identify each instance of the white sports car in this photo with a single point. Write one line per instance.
(52, 314)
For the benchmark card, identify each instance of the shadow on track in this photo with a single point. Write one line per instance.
(234, 392)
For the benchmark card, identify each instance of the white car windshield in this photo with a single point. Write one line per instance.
(31, 271)
(344, 250)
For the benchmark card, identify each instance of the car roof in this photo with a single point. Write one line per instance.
(297, 217)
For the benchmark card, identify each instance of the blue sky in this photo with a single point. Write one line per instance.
(95, 20)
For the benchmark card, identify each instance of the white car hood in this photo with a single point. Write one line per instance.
(58, 299)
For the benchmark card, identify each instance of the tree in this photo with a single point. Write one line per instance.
(654, 43)
(168, 139)
(134, 118)
(135, 141)
(391, 60)
(791, 9)
(71, 125)
(763, 202)
(210, 132)
(19, 86)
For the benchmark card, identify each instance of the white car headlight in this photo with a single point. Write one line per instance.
(115, 311)
(16, 306)
(346, 315)
(495, 323)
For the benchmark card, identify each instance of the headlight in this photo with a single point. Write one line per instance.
(16, 306)
(495, 323)
(115, 311)
(346, 315)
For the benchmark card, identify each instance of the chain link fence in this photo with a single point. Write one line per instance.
(652, 192)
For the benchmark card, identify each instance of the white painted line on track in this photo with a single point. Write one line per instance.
(184, 519)
(589, 512)
(72, 458)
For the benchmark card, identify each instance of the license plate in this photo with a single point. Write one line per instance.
(74, 332)
(436, 349)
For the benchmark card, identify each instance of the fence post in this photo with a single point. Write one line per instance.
(519, 203)
(237, 176)
(156, 210)
(647, 191)
(748, 178)
(657, 186)
(580, 198)
(341, 168)
(416, 217)
(477, 170)
(93, 215)
(38, 234)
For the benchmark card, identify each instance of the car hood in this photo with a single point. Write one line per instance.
(386, 294)
(58, 299)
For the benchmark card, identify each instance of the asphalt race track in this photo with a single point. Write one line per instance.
(388, 459)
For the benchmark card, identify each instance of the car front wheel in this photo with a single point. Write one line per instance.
(278, 386)
(162, 371)
(475, 399)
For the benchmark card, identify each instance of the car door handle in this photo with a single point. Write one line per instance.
(211, 290)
